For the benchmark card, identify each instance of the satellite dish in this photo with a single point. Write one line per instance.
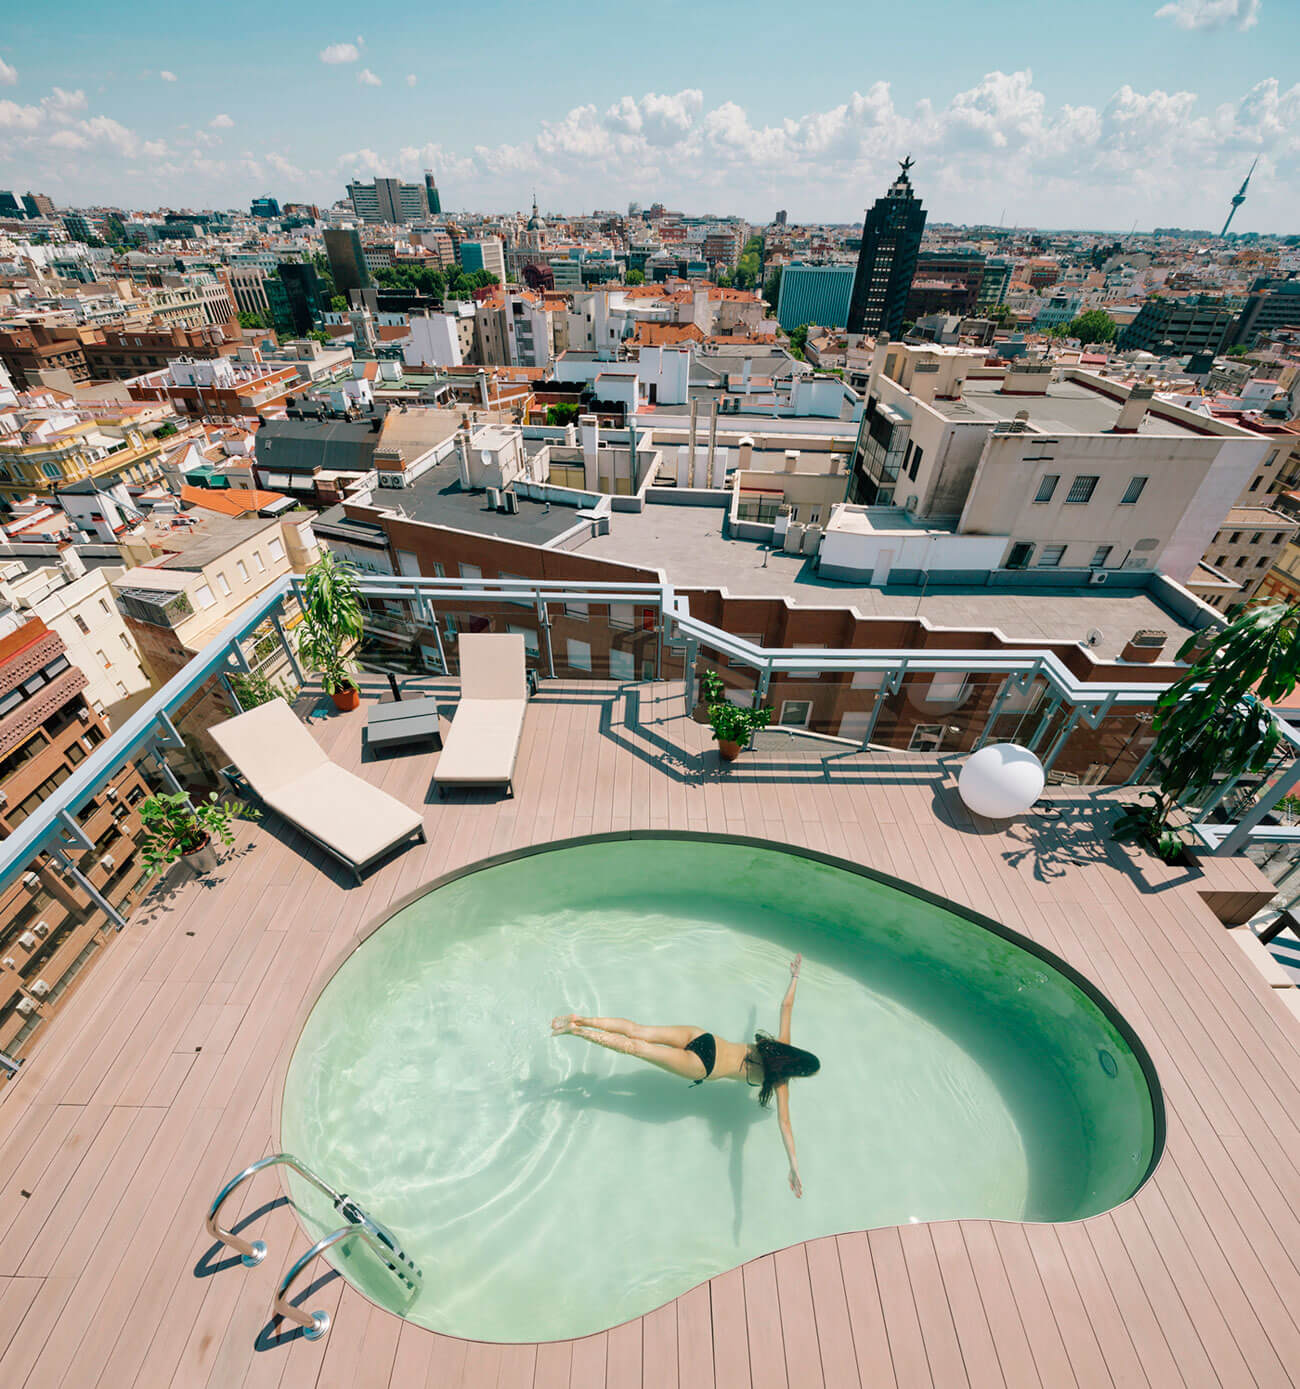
(1094, 637)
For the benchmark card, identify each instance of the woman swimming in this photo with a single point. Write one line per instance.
(769, 1063)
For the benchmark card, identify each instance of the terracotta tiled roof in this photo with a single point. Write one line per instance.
(231, 501)
(666, 334)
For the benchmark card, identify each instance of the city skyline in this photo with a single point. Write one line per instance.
(1149, 116)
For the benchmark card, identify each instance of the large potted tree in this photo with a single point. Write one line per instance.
(1214, 722)
(331, 603)
(176, 828)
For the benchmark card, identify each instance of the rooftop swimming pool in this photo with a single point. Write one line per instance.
(549, 1189)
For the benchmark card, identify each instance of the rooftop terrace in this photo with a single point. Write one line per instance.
(160, 1081)
(1067, 408)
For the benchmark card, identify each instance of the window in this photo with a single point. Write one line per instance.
(1240, 562)
(1051, 556)
(1100, 555)
(576, 610)
(622, 615)
(1132, 492)
(926, 737)
(578, 654)
(1082, 488)
(1236, 538)
(470, 571)
(103, 603)
(916, 463)
(203, 596)
(1261, 562)
(82, 625)
(1021, 553)
(795, 713)
(530, 638)
(259, 561)
(1046, 486)
(104, 661)
(622, 664)
(948, 687)
(223, 583)
(243, 571)
(276, 549)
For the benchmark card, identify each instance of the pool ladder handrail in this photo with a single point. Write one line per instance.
(360, 1225)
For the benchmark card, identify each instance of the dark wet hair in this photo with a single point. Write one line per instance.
(779, 1061)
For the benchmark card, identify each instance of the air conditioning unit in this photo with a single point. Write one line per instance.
(512, 503)
(1098, 576)
(27, 941)
(494, 498)
(42, 929)
(110, 792)
(40, 988)
(9, 962)
(108, 863)
(84, 715)
(4, 800)
(26, 1007)
(30, 880)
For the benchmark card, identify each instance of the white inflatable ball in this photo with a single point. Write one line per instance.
(1001, 780)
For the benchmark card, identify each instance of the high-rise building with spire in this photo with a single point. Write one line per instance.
(891, 239)
(1239, 197)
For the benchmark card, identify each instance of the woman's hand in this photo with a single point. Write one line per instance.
(795, 965)
(795, 1184)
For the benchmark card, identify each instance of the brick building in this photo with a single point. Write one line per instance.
(50, 930)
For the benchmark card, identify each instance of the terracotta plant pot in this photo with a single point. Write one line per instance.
(728, 751)
(700, 714)
(346, 699)
(203, 859)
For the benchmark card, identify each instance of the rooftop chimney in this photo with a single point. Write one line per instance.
(1133, 411)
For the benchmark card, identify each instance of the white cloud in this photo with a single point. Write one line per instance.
(340, 53)
(8, 74)
(1211, 14)
(167, 76)
(15, 117)
(368, 78)
(410, 79)
(221, 122)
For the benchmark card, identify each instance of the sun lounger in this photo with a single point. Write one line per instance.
(483, 744)
(283, 765)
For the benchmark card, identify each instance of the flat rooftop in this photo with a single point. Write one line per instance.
(687, 543)
(1067, 408)
(439, 499)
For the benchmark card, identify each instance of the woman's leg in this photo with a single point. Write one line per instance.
(668, 1058)
(664, 1036)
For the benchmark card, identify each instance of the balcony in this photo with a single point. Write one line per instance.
(157, 1078)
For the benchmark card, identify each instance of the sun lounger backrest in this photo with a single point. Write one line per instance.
(269, 746)
(492, 666)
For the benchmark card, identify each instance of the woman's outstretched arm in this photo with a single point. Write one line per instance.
(787, 1133)
(787, 1003)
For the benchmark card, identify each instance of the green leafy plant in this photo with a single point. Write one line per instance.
(1145, 825)
(331, 601)
(255, 688)
(733, 724)
(1215, 722)
(711, 687)
(174, 825)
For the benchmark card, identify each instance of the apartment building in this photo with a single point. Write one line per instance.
(1036, 469)
(43, 450)
(50, 930)
(78, 604)
(191, 577)
(1251, 541)
(487, 254)
(121, 353)
(1195, 323)
(389, 200)
(38, 355)
(219, 388)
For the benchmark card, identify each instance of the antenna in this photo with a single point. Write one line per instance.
(1094, 637)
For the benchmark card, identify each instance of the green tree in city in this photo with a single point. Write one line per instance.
(562, 414)
(636, 277)
(799, 340)
(338, 304)
(326, 276)
(772, 288)
(1093, 326)
(318, 335)
(251, 319)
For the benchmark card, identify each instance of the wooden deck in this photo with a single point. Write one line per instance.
(156, 1083)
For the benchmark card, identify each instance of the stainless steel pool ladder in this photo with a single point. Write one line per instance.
(381, 1241)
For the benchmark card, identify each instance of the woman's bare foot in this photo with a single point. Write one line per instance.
(565, 1024)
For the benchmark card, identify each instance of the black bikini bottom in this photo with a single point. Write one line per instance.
(706, 1048)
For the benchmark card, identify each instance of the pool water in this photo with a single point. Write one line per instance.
(548, 1188)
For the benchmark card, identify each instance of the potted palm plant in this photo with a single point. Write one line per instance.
(1214, 722)
(331, 603)
(177, 828)
(733, 727)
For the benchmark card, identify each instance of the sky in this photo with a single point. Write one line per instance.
(1026, 112)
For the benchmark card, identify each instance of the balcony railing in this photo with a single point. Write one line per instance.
(933, 702)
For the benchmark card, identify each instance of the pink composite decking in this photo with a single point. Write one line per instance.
(157, 1082)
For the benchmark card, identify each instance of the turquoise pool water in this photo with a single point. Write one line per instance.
(549, 1189)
